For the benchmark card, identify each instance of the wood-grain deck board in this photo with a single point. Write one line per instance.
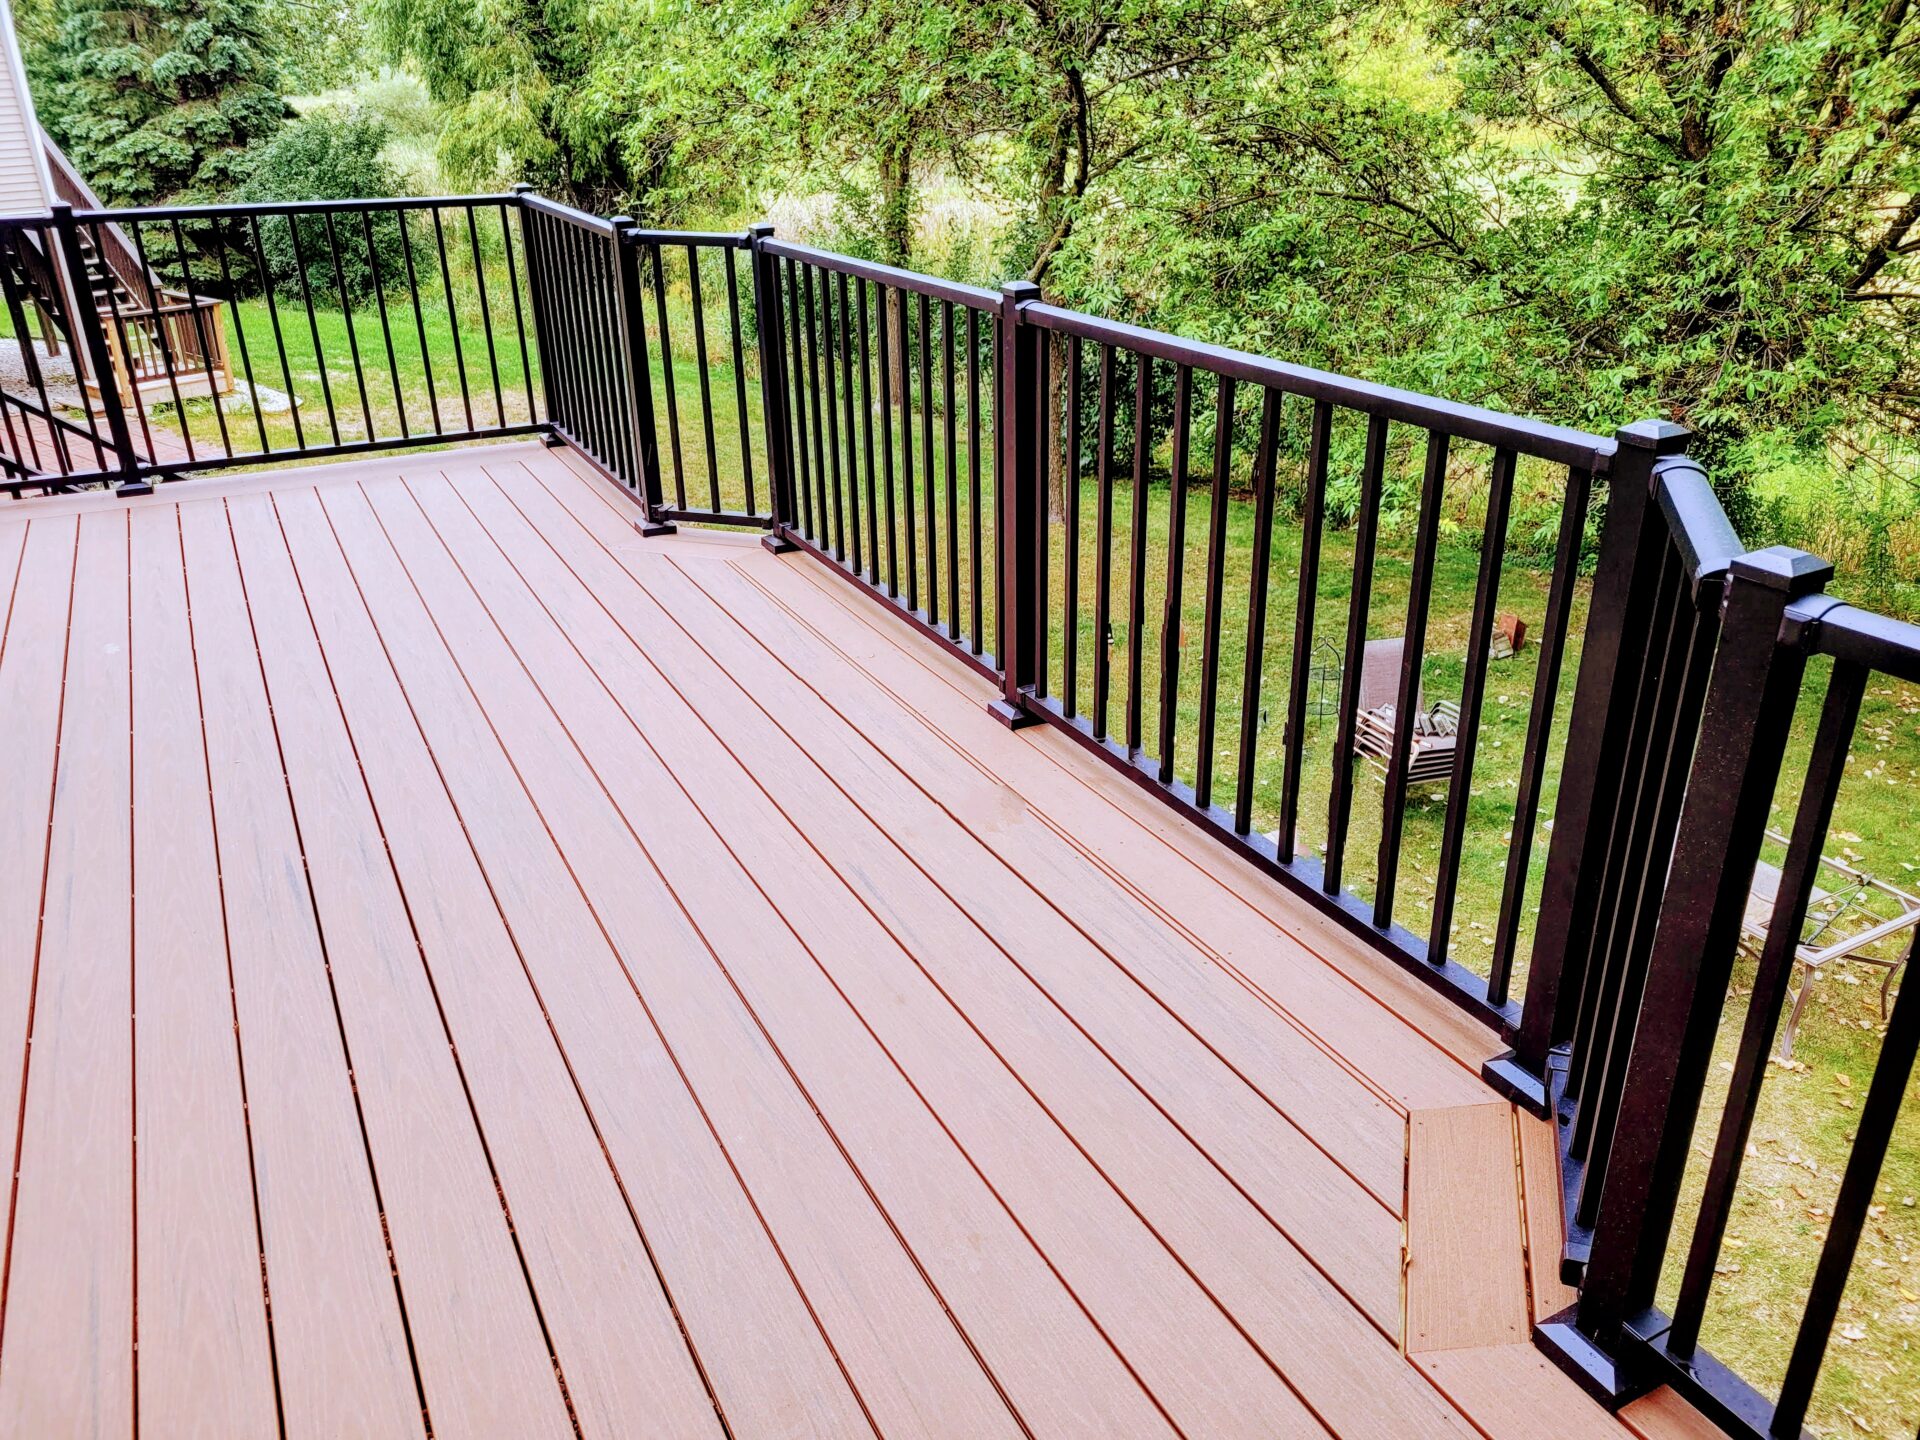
(503, 975)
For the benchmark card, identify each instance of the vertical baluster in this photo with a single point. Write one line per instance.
(453, 314)
(1103, 557)
(701, 363)
(853, 445)
(1295, 747)
(11, 288)
(1070, 560)
(1137, 554)
(1020, 425)
(886, 435)
(657, 263)
(930, 485)
(519, 313)
(109, 379)
(279, 337)
(866, 435)
(953, 478)
(740, 380)
(486, 318)
(1486, 597)
(614, 353)
(797, 357)
(156, 304)
(1340, 795)
(1533, 761)
(1878, 1115)
(1262, 563)
(200, 336)
(346, 319)
(977, 605)
(1171, 619)
(386, 329)
(827, 333)
(1216, 585)
(419, 324)
(821, 450)
(1393, 806)
(909, 496)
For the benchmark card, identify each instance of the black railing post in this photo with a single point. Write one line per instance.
(537, 283)
(1624, 586)
(99, 358)
(768, 331)
(1019, 431)
(1743, 736)
(633, 335)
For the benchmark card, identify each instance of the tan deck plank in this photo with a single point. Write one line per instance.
(1513, 1392)
(1466, 1274)
(1299, 1320)
(342, 1352)
(205, 1361)
(1544, 1211)
(67, 1362)
(33, 651)
(1301, 962)
(911, 1365)
(476, 1336)
(770, 1368)
(1663, 1415)
(1059, 1373)
(617, 1342)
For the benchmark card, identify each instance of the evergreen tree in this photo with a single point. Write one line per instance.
(150, 98)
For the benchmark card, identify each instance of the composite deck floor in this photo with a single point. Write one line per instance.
(468, 970)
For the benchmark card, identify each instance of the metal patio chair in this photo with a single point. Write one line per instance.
(1842, 922)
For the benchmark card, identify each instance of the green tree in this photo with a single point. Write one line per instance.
(151, 98)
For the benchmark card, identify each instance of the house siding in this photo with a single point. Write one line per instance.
(23, 175)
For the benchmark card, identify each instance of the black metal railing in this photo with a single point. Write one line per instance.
(1188, 742)
(886, 403)
(1775, 621)
(263, 332)
(1053, 497)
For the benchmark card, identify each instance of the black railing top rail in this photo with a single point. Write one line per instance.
(1537, 438)
(241, 210)
(974, 297)
(1699, 526)
(702, 239)
(599, 224)
(1860, 637)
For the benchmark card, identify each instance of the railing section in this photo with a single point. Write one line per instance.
(264, 332)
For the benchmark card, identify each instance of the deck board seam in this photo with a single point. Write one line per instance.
(320, 936)
(713, 952)
(1041, 1102)
(680, 1069)
(1191, 1026)
(39, 939)
(426, 965)
(539, 1000)
(899, 640)
(988, 1044)
(233, 1002)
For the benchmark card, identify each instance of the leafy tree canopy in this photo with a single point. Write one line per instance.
(153, 97)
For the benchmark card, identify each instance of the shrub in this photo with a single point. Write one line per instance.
(331, 154)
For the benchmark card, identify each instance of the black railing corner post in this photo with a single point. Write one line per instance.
(99, 357)
(1751, 697)
(770, 336)
(633, 335)
(1019, 420)
(1624, 584)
